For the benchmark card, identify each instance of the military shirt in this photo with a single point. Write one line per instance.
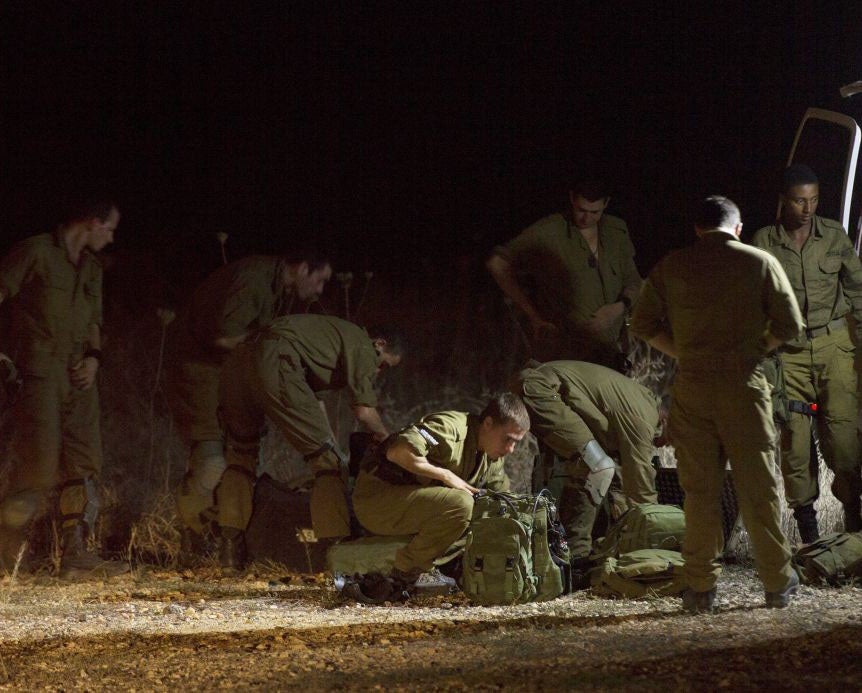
(54, 303)
(243, 296)
(717, 298)
(621, 414)
(334, 354)
(826, 274)
(450, 439)
(561, 276)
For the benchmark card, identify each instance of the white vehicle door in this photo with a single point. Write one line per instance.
(829, 143)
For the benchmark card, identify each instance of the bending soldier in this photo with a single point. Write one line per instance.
(54, 284)
(689, 308)
(422, 480)
(584, 413)
(818, 365)
(275, 376)
(574, 278)
(234, 301)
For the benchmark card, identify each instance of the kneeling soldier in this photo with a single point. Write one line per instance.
(421, 481)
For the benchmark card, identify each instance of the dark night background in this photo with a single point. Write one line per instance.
(401, 136)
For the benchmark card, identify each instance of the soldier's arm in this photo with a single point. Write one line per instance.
(229, 343)
(649, 318)
(83, 373)
(502, 272)
(402, 454)
(370, 418)
(782, 309)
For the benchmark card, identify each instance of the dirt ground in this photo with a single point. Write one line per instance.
(270, 630)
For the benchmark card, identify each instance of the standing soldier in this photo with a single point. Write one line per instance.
(582, 412)
(234, 301)
(818, 366)
(422, 480)
(276, 376)
(718, 307)
(574, 278)
(54, 284)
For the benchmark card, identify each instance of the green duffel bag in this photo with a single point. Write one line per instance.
(645, 526)
(834, 559)
(637, 574)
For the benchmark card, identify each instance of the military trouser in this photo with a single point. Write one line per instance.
(822, 372)
(714, 416)
(437, 515)
(197, 505)
(56, 440)
(265, 380)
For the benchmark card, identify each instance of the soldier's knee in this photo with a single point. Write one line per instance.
(20, 509)
(206, 465)
(327, 459)
(459, 508)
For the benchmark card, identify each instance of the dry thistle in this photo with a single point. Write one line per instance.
(166, 316)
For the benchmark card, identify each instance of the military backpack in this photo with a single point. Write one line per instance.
(834, 559)
(645, 526)
(636, 574)
(516, 550)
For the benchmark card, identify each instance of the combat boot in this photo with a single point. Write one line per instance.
(193, 549)
(232, 552)
(699, 602)
(78, 562)
(780, 599)
(806, 522)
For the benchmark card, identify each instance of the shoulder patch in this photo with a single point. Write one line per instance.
(426, 434)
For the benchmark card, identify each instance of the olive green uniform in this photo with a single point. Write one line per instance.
(388, 500)
(275, 376)
(573, 402)
(238, 298)
(56, 434)
(718, 298)
(818, 366)
(567, 284)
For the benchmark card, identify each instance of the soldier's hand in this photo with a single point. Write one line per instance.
(542, 328)
(454, 481)
(83, 373)
(604, 317)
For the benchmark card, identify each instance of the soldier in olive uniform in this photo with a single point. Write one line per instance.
(276, 376)
(826, 277)
(573, 276)
(422, 480)
(233, 302)
(583, 411)
(53, 282)
(718, 307)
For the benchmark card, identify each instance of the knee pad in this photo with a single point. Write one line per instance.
(19, 510)
(206, 466)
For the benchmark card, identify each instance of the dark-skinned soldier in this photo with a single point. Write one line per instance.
(719, 307)
(234, 301)
(422, 480)
(818, 366)
(573, 277)
(275, 376)
(585, 413)
(53, 282)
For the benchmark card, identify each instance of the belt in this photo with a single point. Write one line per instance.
(833, 326)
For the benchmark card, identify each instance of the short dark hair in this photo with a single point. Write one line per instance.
(591, 189)
(82, 208)
(316, 259)
(396, 342)
(717, 212)
(506, 407)
(798, 174)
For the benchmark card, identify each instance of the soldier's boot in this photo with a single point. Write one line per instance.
(806, 522)
(79, 562)
(193, 549)
(699, 602)
(232, 553)
(853, 516)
